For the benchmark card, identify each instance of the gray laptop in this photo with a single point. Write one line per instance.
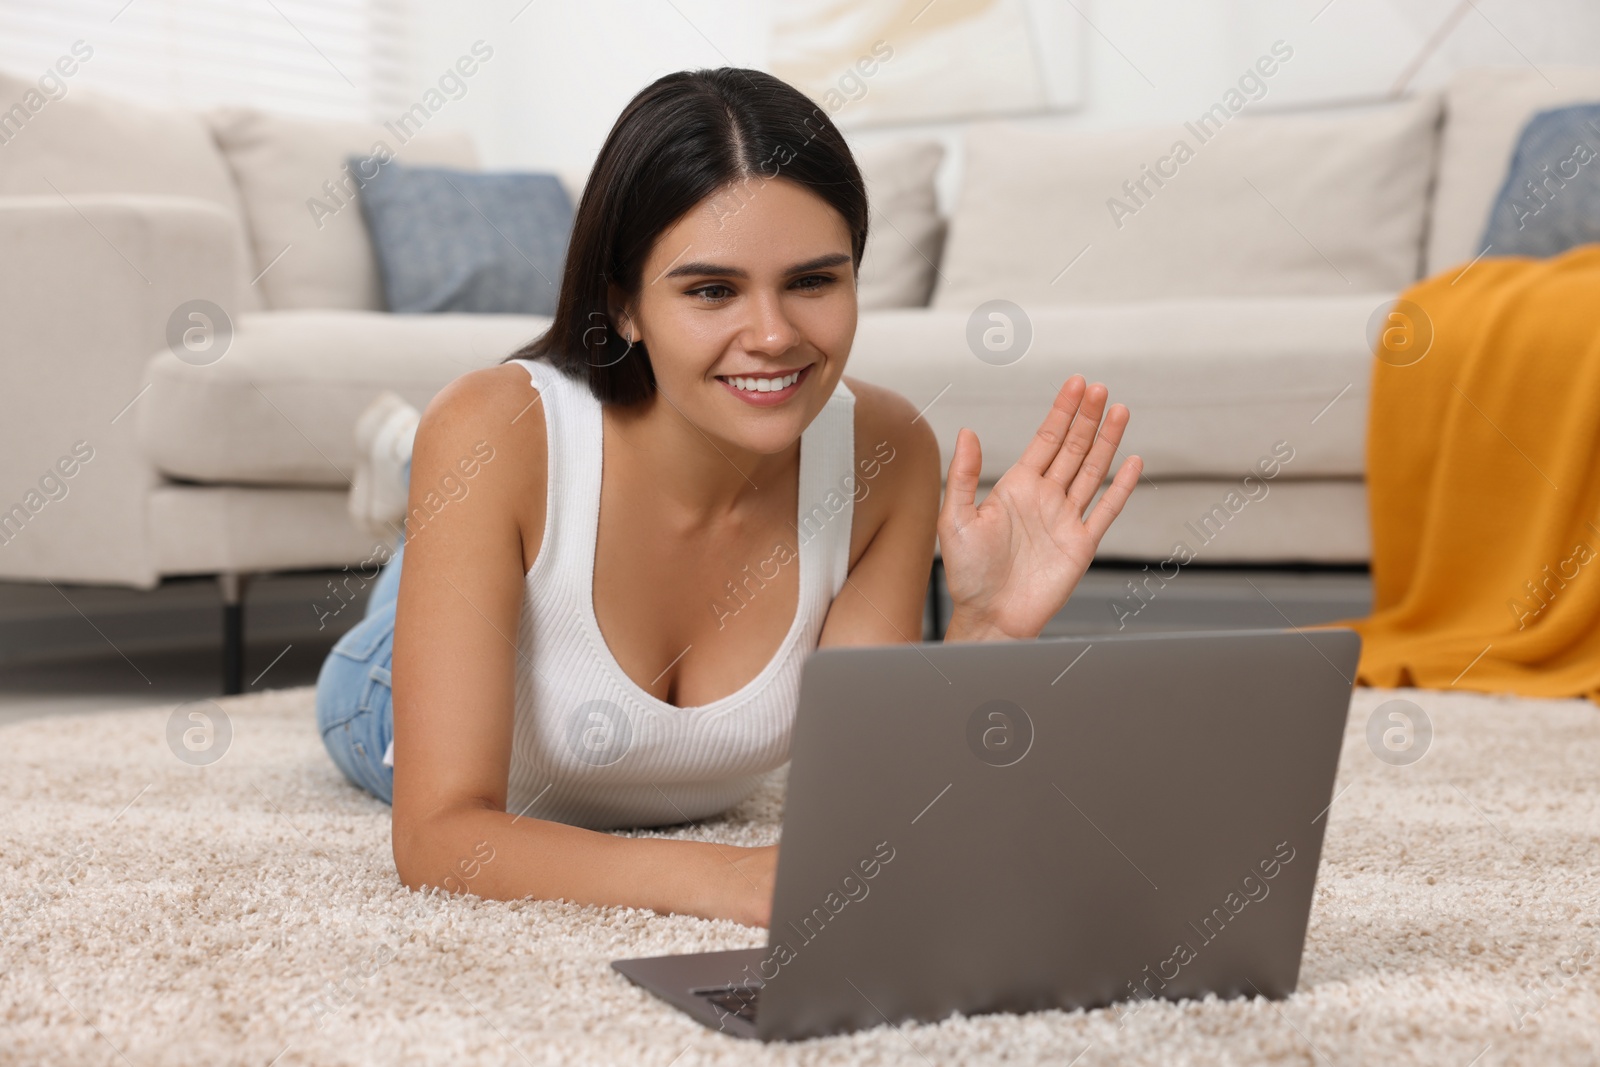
(1062, 823)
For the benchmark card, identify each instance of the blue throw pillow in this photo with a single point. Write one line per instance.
(457, 240)
(1550, 201)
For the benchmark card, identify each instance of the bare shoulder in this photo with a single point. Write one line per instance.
(482, 434)
(497, 405)
(491, 396)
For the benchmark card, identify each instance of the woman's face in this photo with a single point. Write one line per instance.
(747, 307)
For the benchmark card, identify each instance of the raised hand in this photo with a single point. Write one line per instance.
(1012, 562)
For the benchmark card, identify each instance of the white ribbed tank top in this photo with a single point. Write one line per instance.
(589, 746)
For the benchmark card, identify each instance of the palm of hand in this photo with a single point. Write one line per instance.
(1012, 562)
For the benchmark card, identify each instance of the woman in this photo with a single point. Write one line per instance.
(622, 543)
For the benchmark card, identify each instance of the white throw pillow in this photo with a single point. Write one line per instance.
(905, 234)
(1288, 204)
(1485, 110)
(573, 180)
(85, 142)
(303, 208)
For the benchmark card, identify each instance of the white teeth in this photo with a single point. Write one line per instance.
(764, 385)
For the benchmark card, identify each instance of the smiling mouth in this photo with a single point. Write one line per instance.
(764, 387)
(762, 383)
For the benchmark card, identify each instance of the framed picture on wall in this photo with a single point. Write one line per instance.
(883, 62)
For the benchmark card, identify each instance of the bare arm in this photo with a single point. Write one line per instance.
(897, 503)
(455, 656)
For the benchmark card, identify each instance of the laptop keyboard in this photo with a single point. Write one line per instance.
(740, 1001)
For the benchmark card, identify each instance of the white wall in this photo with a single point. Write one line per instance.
(562, 72)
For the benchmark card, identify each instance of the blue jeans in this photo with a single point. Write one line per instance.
(355, 701)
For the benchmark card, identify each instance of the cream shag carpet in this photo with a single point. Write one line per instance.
(248, 912)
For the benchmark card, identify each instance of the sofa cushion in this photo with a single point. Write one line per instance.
(1212, 520)
(86, 142)
(1550, 198)
(280, 407)
(573, 180)
(454, 240)
(1303, 204)
(310, 241)
(1213, 385)
(1485, 110)
(905, 234)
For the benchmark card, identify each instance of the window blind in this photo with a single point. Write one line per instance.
(340, 59)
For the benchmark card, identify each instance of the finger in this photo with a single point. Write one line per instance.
(1099, 459)
(1115, 496)
(1079, 438)
(961, 486)
(1047, 440)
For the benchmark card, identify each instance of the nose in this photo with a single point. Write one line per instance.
(769, 330)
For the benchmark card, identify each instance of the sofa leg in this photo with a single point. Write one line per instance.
(232, 585)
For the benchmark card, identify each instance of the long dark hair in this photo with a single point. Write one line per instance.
(683, 138)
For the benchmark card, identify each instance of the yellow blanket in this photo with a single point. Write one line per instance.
(1483, 480)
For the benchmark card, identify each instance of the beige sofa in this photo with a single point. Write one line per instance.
(1227, 303)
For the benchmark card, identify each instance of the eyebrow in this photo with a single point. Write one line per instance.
(699, 269)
